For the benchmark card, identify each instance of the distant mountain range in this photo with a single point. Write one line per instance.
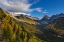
(50, 19)
(45, 18)
(27, 16)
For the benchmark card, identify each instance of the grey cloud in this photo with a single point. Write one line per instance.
(18, 6)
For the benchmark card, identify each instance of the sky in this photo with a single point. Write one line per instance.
(34, 8)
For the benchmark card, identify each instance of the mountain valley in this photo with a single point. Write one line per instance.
(24, 28)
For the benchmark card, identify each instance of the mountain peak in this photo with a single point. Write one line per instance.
(46, 17)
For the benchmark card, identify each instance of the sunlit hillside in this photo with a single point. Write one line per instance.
(26, 20)
(14, 32)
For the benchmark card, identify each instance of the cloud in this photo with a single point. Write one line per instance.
(34, 1)
(39, 9)
(45, 11)
(19, 5)
(16, 5)
(22, 13)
